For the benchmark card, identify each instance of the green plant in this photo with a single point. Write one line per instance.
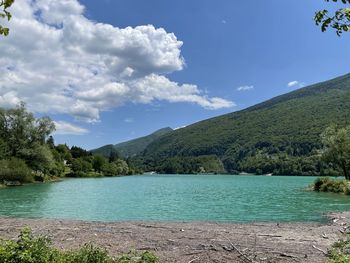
(88, 254)
(15, 170)
(28, 249)
(340, 252)
(326, 184)
(137, 257)
(31, 249)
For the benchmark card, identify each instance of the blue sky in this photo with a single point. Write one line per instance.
(242, 52)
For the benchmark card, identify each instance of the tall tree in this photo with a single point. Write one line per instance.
(339, 21)
(4, 13)
(336, 150)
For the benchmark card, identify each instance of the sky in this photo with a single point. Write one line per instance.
(108, 71)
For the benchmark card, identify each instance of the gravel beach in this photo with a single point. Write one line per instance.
(195, 241)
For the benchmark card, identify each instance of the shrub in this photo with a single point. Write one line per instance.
(340, 252)
(136, 257)
(87, 254)
(326, 184)
(15, 170)
(30, 249)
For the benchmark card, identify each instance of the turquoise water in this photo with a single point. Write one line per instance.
(174, 198)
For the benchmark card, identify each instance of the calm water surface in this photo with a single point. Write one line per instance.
(174, 198)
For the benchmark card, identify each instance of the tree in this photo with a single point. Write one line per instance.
(22, 131)
(98, 162)
(113, 156)
(336, 149)
(4, 5)
(339, 21)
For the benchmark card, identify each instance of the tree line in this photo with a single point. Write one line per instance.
(28, 152)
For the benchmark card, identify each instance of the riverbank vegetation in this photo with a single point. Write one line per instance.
(28, 152)
(326, 184)
(336, 152)
(340, 251)
(29, 249)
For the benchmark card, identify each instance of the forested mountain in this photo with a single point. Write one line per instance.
(281, 135)
(133, 147)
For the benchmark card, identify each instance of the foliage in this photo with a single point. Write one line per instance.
(4, 13)
(336, 143)
(135, 257)
(118, 167)
(339, 21)
(340, 252)
(78, 152)
(24, 137)
(326, 184)
(22, 131)
(279, 136)
(31, 249)
(15, 170)
(98, 162)
(28, 152)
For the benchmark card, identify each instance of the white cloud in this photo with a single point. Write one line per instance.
(245, 88)
(65, 128)
(129, 120)
(296, 83)
(58, 61)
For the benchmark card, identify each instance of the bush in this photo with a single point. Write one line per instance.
(135, 257)
(30, 249)
(87, 254)
(326, 184)
(340, 252)
(15, 170)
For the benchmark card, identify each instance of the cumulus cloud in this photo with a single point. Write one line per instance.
(66, 128)
(245, 88)
(296, 83)
(58, 61)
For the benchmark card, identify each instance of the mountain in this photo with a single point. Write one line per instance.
(133, 147)
(281, 135)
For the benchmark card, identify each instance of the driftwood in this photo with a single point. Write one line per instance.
(268, 235)
(321, 250)
(193, 260)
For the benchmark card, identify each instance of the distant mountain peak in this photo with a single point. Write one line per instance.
(132, 147)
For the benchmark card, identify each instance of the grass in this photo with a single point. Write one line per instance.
(326, 184)
(30, 249)
(340, 252)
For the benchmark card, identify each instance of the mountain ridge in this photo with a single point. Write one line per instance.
(132, 147)
(289, 124)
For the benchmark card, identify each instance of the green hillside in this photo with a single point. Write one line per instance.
(280, 135)
(133, 147)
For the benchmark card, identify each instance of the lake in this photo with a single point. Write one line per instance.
(221, 198)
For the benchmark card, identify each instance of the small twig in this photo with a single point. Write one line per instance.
(235, 248)
(321, 250)
(287, 255)
(268, 235)
(193, 260)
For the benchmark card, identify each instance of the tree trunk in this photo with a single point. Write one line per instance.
(345, 171)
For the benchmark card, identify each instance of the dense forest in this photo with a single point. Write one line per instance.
(28, 152)
(279, 136)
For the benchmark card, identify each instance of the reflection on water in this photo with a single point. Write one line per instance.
(174, 198)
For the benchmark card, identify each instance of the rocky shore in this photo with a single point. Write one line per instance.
(196, 241)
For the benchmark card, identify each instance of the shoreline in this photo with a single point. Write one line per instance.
(196, 241)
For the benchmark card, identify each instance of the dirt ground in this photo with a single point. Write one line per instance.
(196, 241)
